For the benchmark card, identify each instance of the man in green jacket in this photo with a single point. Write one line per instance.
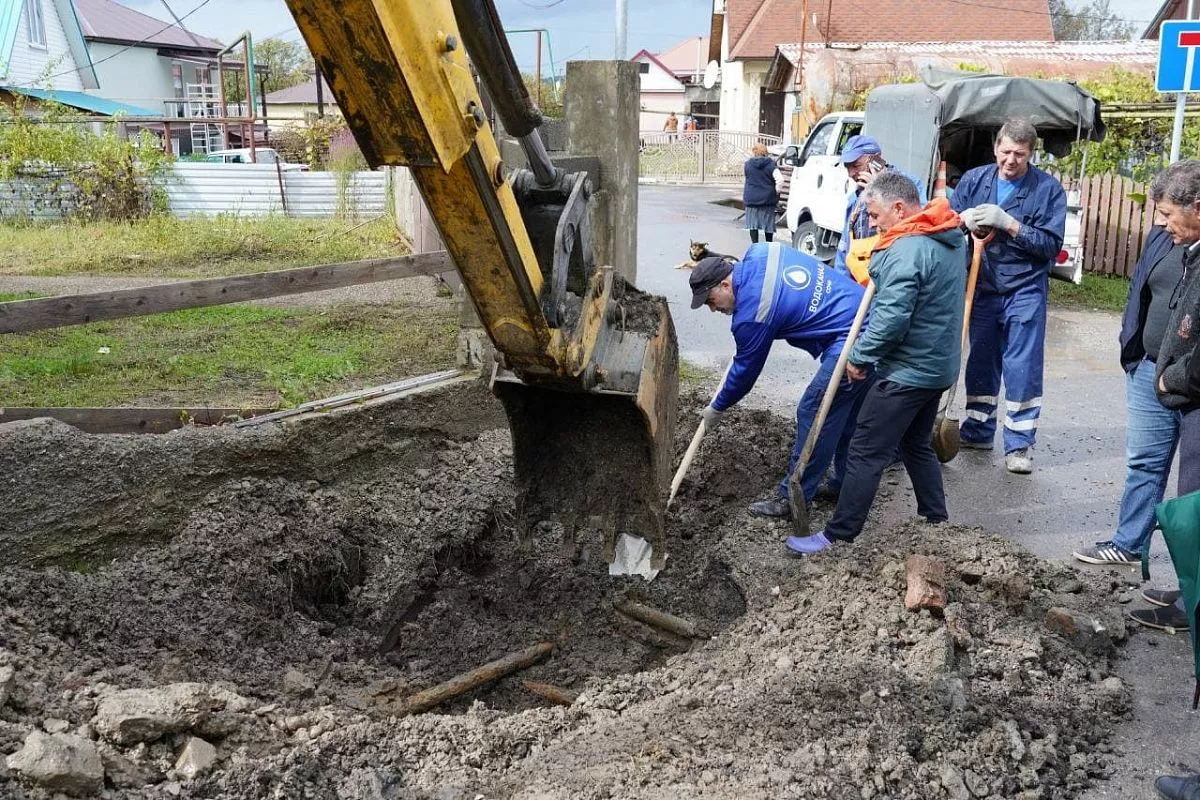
(913, 347)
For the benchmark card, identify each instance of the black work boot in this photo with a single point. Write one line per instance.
(1169, 618)
(775, 507)
(1174, 788)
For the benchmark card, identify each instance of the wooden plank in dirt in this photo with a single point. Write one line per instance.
(129, 420)
(18, 316)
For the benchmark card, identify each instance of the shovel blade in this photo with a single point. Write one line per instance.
(799, 510)
(946, 439)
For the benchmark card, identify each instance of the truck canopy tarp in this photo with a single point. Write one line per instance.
(910, 119)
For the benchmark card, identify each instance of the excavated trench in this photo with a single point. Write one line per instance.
(328, 569)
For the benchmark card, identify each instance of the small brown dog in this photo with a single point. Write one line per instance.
(698, 251)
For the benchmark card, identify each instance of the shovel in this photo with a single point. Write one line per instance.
(795, 492)
(946, 440)
(686, 463)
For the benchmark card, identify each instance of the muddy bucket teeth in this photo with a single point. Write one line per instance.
(599, 459)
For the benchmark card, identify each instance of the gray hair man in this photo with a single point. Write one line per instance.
(913, 347)
(1026, 211)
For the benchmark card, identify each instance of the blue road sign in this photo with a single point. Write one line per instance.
(1178, 65)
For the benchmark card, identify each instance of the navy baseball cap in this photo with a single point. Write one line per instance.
(859, 146)
(707, 273)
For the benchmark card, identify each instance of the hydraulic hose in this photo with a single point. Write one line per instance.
(488, 47)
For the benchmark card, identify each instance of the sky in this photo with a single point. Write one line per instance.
(578, 29)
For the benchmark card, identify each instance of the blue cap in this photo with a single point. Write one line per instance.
(859, 146)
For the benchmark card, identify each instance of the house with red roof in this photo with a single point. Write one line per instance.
(745, 34)
(673, 82)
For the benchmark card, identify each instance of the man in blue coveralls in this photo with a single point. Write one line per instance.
(776, 292)
(1026, 209)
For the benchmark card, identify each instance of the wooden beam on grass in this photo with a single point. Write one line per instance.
(19, 316)
(130, 420)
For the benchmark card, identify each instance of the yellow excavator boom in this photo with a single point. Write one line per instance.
(587, 365)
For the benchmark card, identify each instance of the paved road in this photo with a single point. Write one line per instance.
(1070, 499)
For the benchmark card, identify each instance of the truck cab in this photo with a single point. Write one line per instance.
(819, 188)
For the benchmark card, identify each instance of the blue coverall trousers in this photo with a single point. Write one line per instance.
(1008, 340)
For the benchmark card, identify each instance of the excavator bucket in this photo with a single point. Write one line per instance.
(599, 459)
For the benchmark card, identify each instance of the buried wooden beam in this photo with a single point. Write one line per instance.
(554, 694)
(660, 619)
(461, 684)
(20, 316)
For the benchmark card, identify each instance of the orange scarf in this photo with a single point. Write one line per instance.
(936, 217)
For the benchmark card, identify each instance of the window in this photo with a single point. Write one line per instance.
(818, 142)
(644, 67)
(36, 22)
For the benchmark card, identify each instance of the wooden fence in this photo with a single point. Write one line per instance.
(1115, 222)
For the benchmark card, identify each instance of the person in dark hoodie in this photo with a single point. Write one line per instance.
(913, 345)
(1176, 195)
(760, 194)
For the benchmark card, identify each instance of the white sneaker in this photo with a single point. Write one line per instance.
(1019, 462)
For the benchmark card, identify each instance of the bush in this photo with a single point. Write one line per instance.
(54, 162)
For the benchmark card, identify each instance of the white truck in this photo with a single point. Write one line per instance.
(950, 117)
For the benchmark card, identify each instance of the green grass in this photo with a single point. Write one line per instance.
(239, 356)
(169, 247)
(691, 375)
(1096, 292)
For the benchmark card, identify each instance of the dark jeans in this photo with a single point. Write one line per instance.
(892, 415)
(1189, 453)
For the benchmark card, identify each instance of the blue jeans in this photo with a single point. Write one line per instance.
(839, 421)
(1151, 436)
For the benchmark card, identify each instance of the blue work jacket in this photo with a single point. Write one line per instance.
(1158, 244)
(1040, 205)
(781, 293)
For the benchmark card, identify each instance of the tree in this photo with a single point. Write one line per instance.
(289, 63)
(1092, 21)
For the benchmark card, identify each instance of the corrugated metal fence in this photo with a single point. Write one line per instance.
(262, 189)
(198, 189)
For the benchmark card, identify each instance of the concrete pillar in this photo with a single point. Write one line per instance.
(603, 103)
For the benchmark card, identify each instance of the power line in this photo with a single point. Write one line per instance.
(1047, 12)
(166, 27)
(544, 7)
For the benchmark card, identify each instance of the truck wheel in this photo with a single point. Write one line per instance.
(807, 239)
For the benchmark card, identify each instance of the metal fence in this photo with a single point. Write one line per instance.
(198, 189)
(697, 156)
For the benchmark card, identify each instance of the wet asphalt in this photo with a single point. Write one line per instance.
(1070, 500)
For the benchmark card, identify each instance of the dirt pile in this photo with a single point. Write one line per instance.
(311, 603)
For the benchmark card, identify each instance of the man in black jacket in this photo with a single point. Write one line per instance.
(1151, 431)
(1161, 291)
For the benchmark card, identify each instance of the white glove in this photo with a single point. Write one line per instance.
(711, 416)
(990, 215)
(970, 218)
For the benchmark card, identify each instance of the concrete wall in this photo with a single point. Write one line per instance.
(32, 65)
(135, 75)
(602, 109)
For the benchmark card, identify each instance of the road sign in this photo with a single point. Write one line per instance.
(1178, 71)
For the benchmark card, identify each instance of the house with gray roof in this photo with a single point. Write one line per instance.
(295, 105)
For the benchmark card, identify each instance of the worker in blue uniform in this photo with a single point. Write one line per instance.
(776, 292)
(1026, 209)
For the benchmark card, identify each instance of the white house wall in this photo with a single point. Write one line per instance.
(33, 66)
(740, 85)
(656, 107)
(137, 76)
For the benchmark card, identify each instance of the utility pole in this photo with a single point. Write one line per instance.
(538, 71)
(1181, 99)
(622, 9)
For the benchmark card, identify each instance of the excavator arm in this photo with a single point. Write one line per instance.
(587, 365)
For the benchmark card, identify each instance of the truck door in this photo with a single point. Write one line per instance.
(813, 158)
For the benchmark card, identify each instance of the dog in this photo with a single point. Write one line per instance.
(698, 251)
